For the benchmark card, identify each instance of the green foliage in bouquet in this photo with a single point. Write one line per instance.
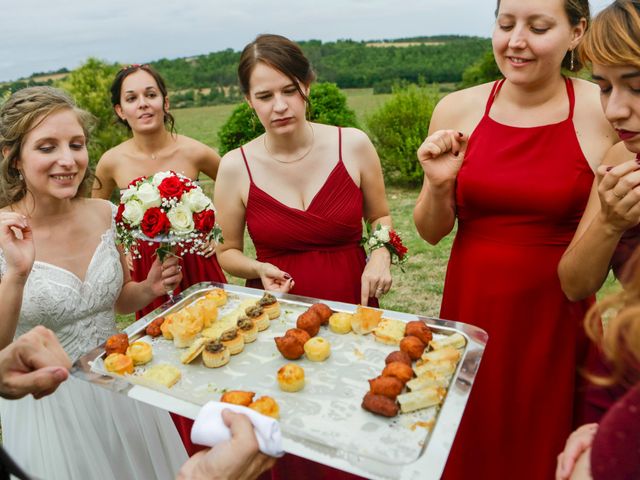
(398, 128)
(328, 106)
(89, 86)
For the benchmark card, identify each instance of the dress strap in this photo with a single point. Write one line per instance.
(497, 85)
(572, 96)
(244, 157)
(340, 144)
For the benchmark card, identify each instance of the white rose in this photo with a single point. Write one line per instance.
(196, 200)
(133, 212)
(158, 177)
(372, 241)
(148, 195)
(383, 234)
(181, 219)
(128, 194)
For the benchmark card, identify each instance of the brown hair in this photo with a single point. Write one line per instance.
(116, 91)
(576, 10)
(620, 338)
(614, 37)
(20, 114)
(277, 52)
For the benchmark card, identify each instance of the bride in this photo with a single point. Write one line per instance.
(59, 267)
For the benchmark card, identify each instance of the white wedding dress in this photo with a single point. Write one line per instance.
(84, 432)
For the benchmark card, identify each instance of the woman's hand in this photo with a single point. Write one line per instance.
(16, 241)
(275, 279)
(209, 248)
(238, 458)
(619, 192)
(441, 155)
(376, 277)
(164, 277)
(577, 443)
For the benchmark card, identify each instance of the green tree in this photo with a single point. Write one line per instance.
(398, 128)
(89, 85)
(483, 71)
(328, 105)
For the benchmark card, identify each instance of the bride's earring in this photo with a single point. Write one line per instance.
(571, 62)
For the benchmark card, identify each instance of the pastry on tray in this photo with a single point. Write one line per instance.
(270, 304)
(163, 374)
(193, 351)
(413, 346)
(445, 353)
(390, 332)
(388, 386)
(398, 356)
(416, 400)
(340, 322)
(401, 371)
(140, 352)
(218, 295)
(455, 340)
(215, 354)
(118, 363)
(365, 320)
(323, 311)
(154, 328)
(419, 329)
(310, 322)
(266, 406)
(291, 377)
(302, 335)
(259, 316)
(317, 349)
(232, 340)
(380, 405)
(440, 367)
(117, 343)
(247, 328)
(290, 347)
(237, 397)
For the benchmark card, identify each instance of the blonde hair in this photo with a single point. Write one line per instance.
(620, 338)
(614, 36)
(20, 114)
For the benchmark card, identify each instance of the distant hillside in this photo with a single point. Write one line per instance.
(211, 78)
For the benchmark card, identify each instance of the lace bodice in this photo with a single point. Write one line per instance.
(80, 313)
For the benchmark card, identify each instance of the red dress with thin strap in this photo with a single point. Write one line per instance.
(520, 194)
(195, 269)
(320, 248)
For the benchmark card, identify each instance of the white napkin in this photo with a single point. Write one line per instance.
(209, 428)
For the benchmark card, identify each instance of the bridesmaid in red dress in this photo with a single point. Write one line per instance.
(139, 98)
(302, 190)
(515, 170)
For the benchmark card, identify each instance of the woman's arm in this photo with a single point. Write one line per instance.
(207, 161)
(105, 182)
(585, 264)
(440, 156)
(231, 212)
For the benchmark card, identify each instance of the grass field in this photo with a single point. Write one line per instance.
(419, 288)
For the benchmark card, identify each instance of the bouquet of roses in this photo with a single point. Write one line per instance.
(166, 208)
(385, 236)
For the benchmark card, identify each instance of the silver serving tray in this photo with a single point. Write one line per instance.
(323, 422)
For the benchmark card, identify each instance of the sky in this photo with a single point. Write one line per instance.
(46, 35)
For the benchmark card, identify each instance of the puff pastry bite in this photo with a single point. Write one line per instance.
(215, 354)
(266, 406)
(259, 316)
(340, 323)
(389, 332)
(248, 329)
(233, 341)
(154, 328)
(193, 351)
(270, 304)
(218, 295)
(117, 343)
(317, 349)
(365, 320)
(140, 352)
(118, 363)
(441, 367)
(427, 397)
(237, 397)
(163, 374)
(456, 341)
(445, 353)
(291, 377)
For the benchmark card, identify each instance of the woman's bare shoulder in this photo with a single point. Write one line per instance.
(116, 154)
(462, 109)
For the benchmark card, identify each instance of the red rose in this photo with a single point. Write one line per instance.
(135, 181)
(171, 187)
(396, 243)
(204, 221)
(118, 218)
(154, 222)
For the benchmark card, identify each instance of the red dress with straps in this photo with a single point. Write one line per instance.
(520, 195)
(320, 248)
(195, 269)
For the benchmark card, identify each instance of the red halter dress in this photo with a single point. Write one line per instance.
(520, 194)
(320, 248)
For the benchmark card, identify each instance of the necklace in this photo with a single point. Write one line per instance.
(295, 160)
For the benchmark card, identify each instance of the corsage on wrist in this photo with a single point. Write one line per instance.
(385, 236)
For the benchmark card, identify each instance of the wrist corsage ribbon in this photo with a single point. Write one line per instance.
(385, 236)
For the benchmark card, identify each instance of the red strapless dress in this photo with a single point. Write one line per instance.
(520, 194)
(320, 248)
(195, 269)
